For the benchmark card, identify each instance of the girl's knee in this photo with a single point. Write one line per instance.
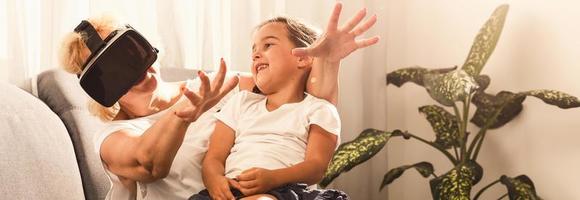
(260, 197)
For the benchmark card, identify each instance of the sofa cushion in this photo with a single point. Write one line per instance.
(63, 94)
(37, 159)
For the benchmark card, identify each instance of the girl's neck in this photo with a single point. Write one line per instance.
(290, 94)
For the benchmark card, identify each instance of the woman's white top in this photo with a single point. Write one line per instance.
(184, 178)
(272, 139)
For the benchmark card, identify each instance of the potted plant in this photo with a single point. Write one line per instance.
(457, 90)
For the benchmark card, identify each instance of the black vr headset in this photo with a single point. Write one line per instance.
(115, 64)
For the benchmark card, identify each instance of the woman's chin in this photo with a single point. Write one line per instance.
(148, 84)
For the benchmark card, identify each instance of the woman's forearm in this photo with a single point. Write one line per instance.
(323, 80)
(159, 144)
(144, 157)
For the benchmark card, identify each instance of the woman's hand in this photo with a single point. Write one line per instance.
(254, 181)
(334, 45)
(219, 188)
(337, 43)
(207, 96)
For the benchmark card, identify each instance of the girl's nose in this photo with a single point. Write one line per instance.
(256, 55)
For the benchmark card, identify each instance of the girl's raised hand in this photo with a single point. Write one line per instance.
(337, 43)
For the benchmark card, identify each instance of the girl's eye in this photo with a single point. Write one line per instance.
(267, 45)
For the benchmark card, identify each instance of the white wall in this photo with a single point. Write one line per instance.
(539, 48)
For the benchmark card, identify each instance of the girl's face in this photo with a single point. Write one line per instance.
(273, 64)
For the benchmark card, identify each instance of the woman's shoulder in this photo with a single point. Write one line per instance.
(246, 82)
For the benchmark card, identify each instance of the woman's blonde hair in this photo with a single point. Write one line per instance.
(74, 53)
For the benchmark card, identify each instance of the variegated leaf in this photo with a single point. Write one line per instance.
(482, 81)
(520, 188)
(508, 104)
(556, 98)
(412, 74)
(450, 87)
(457, 183)
(444, 125)
(485, 41)
(424, 168)
(511, 105)
(355, 152)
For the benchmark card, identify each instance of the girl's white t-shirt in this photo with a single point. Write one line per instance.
(184, 178)
(272, 139)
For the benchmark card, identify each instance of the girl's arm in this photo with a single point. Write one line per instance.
(319, 151)
(213, 167)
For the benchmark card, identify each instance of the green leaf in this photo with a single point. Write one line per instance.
(456, 184)
(556, 98)
(485, 41)
(444, 125)
(424, 168)
(412, 74)
(355, 152)
(449, 87)
(508, 104)
(482, 81)
(520, 188)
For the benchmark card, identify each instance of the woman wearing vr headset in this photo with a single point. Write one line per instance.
(154, 142)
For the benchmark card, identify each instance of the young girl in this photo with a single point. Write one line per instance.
(275, 141)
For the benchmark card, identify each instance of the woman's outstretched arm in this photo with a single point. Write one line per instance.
(148, 157)
(333, 46)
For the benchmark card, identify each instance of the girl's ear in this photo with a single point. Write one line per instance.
(305, 62)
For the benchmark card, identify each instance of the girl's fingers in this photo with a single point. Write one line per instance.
(249, 192)
(246, 176)
(354, 20)
(364, 27)
(248, 184)
(333, 22)
(367, 42)
(234, 184)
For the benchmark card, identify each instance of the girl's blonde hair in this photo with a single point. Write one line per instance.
(74, 53)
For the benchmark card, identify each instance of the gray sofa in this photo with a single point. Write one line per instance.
(46, 141)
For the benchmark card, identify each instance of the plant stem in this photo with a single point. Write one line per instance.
(433, 174)
(485, 188)
(456, 154)
(466, 104)
(476, 153)
(505, 195)
(447, 154)
(474, 142)
(461, 133)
